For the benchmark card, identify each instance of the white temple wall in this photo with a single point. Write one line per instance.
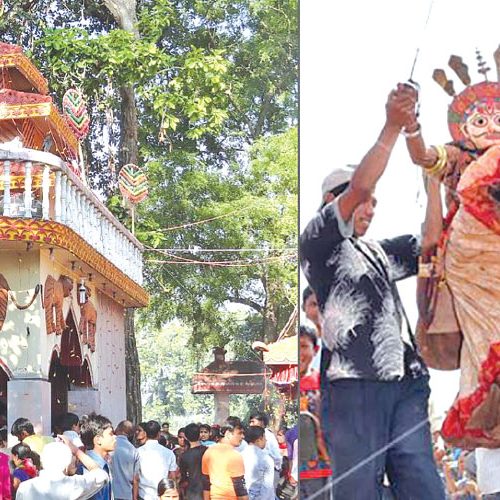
(110, 353)
(26, 358)
(21, 339)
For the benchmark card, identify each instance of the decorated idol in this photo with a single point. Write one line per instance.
(459, 279)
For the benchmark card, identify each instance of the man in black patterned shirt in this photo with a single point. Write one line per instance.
(374, 385)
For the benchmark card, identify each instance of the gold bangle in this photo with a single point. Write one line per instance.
(441, 162)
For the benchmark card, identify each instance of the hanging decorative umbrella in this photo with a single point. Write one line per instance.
(133, 185)
(77, 118)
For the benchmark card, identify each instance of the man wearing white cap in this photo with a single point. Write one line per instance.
(374, 385)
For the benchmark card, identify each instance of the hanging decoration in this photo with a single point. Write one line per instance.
(133, 185)
(77, 118)
(75, 113)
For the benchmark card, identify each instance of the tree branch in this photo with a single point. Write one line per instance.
(247, 302)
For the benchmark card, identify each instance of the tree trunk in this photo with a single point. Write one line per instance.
(124, 12)
(133, 370)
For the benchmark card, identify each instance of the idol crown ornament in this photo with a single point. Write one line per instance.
(476, 104)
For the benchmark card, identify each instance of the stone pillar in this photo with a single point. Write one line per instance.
(30, 398)
(84, 401)
(221, 407)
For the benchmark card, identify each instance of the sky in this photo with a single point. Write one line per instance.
(351, 55)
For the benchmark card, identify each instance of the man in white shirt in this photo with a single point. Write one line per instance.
(156, 462)
(260, 419)
(259, 466)
(54, 484)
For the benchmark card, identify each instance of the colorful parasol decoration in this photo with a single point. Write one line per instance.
(133, 185)
(77, 118)
(76, 113)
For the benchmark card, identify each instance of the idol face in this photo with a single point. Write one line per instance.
(482, 127)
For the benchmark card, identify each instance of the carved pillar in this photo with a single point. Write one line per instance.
(6, 188)
(64, 198)
(27, 189)
(45, 192)
(58, 200)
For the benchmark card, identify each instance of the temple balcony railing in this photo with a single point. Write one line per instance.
(39, 185)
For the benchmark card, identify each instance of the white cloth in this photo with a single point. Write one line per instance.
(259, 473)
(294, 471)
(273, 448)
(155, 462)
(74, 438)
(51, 485)
(488, 470)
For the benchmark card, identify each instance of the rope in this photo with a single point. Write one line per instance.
(22, 307)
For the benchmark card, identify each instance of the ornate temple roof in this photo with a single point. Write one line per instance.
(26, 111)
(18, 72)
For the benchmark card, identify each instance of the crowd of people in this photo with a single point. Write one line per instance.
(88, 458)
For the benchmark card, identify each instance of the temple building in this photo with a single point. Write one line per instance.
(68, 267)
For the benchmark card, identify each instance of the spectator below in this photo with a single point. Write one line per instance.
(167, 490)
(5, 483)
(22, 458)
(190, 464)
(99, 439)
(156, 462)
(53, 483)
(70, 427)
(140, 434)
(262, 420)
(222, 466)
(125, 463)
(182, 444)
(205, 435)
(23, 429)
(259, 466)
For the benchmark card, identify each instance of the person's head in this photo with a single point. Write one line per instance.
(232, 432)
(152, 429)
(255, 435)
(140, 433)
(3, 438)
(167, 489)
(125, 428)
(308, 347)
(56, 457)
(165, 427)
(310, 305)
(22, 428)
(19, 453)
(215, 432)
(97, 434)
(192, 432)
(181, 437)
(205, 431)
(70, 422)
(336, 183)
(281, 434)
(259, 418)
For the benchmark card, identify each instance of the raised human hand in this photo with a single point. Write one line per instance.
(400, 106)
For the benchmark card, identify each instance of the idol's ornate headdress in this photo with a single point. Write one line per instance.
(484, 93)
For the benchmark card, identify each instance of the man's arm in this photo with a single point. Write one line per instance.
(399, 108)
(274, 449)
(205, 479)
(333, 222)
(135, 487)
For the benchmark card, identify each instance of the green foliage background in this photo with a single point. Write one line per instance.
(216, 90)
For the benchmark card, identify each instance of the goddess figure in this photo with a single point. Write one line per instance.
(459, 285)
